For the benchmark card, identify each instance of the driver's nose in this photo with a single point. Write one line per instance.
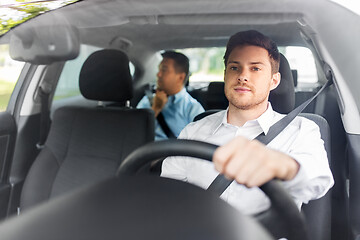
(242, 76)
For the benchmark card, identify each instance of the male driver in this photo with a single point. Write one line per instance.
(296, 155)
(171, 99)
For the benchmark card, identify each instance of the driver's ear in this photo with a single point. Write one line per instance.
(275, 81)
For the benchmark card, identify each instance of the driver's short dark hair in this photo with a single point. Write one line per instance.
(254, 38)
(181, 61)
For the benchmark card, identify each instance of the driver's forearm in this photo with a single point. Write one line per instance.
(287, 167)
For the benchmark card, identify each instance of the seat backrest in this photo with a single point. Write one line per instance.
(86, 145)
(318, 212)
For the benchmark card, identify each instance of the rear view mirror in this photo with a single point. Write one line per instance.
(44, 44)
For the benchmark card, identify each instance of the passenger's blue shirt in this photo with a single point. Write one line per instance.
(179, 111)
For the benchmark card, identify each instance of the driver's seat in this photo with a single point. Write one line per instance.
(317, 212)
(87, 144)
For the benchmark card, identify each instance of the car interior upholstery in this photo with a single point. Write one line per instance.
(111, 129)
(86, 145)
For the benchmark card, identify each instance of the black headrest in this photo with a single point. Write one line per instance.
(215, 97)
(216, 87)
(282, 98)
(295, 76)
(105, 76)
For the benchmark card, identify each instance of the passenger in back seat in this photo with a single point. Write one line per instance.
(296, 156)
(173, 106)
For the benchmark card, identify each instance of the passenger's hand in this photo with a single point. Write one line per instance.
(251, 163)
(159, 101)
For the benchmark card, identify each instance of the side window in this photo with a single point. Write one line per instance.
(9, 73)
(302, 62)
(68, 85)
(206, 65)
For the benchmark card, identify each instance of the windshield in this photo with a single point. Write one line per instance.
(14, 12)
(353, 5)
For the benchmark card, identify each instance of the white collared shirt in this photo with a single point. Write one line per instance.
(301, 140)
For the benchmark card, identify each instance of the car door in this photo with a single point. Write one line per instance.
(9, 74)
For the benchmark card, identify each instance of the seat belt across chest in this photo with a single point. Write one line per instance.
(219, 185)
(160, 117)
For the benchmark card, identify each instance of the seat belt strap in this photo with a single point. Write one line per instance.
(219, 185)
(164, 126)
(44, 93)
(160, 117)
(285, 121)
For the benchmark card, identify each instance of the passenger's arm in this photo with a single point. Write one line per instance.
(144, 103)
(195, 109)
(159, 101)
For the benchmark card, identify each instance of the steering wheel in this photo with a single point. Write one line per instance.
(282, 219)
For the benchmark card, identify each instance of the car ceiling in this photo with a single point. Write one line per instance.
(142, 27)
(172, 25)
(175, 24)
(189, 23)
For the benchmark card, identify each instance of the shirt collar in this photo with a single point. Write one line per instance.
(220, 121)
(265, 120)
(177, 97)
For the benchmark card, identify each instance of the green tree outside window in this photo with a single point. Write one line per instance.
(14, 12)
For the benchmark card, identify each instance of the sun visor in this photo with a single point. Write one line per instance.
(44, 44)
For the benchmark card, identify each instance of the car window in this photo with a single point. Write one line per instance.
(351, 5)
(9, 74)
(15, 12)
(207, 65)
(68, 85)
(302, 61)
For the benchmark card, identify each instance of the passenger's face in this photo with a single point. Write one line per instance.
(168, 79)
(248, 78)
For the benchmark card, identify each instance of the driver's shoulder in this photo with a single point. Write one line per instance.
(300, 122)
(302, 126)
(204, 126)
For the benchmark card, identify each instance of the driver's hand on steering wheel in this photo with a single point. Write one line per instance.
(251, 163)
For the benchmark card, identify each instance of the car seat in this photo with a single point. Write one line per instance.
(317, 212)
(215, 97)
(87, 144)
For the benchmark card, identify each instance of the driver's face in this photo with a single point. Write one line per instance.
(248, 78)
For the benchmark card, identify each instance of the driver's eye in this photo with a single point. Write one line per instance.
(233, 68)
